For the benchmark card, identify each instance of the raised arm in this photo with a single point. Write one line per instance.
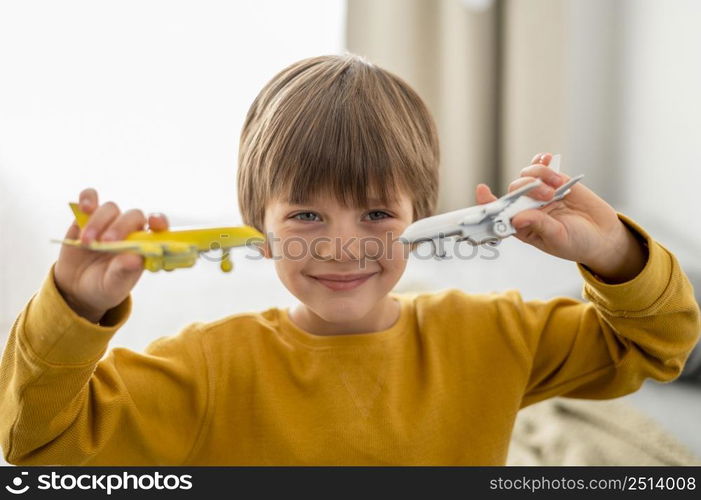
(605, 348)
(61, 403)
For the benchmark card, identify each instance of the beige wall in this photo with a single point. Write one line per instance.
(559, 85)
(660, 129)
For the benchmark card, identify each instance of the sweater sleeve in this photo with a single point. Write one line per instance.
(605, 348)
(63, 402)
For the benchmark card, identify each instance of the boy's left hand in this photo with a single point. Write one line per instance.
(581, 227)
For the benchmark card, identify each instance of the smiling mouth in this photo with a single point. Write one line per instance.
(337, 285)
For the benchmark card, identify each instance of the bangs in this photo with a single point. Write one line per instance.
(328, 159)
(347, 139)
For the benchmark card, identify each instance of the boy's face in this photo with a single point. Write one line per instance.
(326, 238)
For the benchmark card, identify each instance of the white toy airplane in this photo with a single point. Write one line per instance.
(483, 224)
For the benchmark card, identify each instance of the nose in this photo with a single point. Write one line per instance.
(342, 246)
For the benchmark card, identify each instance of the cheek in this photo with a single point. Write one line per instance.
(292, 248)
(390, 256)
(290, 255)
(373, 248)
(292, 275)
(394, 252)
(397, 258)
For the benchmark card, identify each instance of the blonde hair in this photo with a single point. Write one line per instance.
(338, 125)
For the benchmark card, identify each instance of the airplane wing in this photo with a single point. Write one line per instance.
(564, 190)
(147, 249)
(493, 208)
(509, 198)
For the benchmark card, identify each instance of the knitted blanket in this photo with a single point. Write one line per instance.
(565, 431)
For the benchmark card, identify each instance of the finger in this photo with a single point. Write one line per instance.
(545, 158)
(98, 222)
(128, 222)
(542, 192)
(531, 223)
(73, 232)
(536, 159)
(157, 222)
(129, 262)
(124, 271)
(88, 200)
(546, 174)
(484, 194)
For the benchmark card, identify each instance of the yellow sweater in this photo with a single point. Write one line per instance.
(441, 386)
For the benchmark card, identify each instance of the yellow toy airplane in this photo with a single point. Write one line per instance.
(172, 249)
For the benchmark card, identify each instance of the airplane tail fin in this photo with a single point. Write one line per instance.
(80, 217)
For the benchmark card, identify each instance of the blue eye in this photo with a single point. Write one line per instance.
(301, 216)
(303, 213)
(380, 212)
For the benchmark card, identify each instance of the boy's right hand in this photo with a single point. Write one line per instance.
(93, 282)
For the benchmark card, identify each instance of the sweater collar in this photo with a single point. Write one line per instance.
(300, 336)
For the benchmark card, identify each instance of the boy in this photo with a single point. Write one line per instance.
(335, 153)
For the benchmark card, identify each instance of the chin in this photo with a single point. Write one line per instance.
(341, 310)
